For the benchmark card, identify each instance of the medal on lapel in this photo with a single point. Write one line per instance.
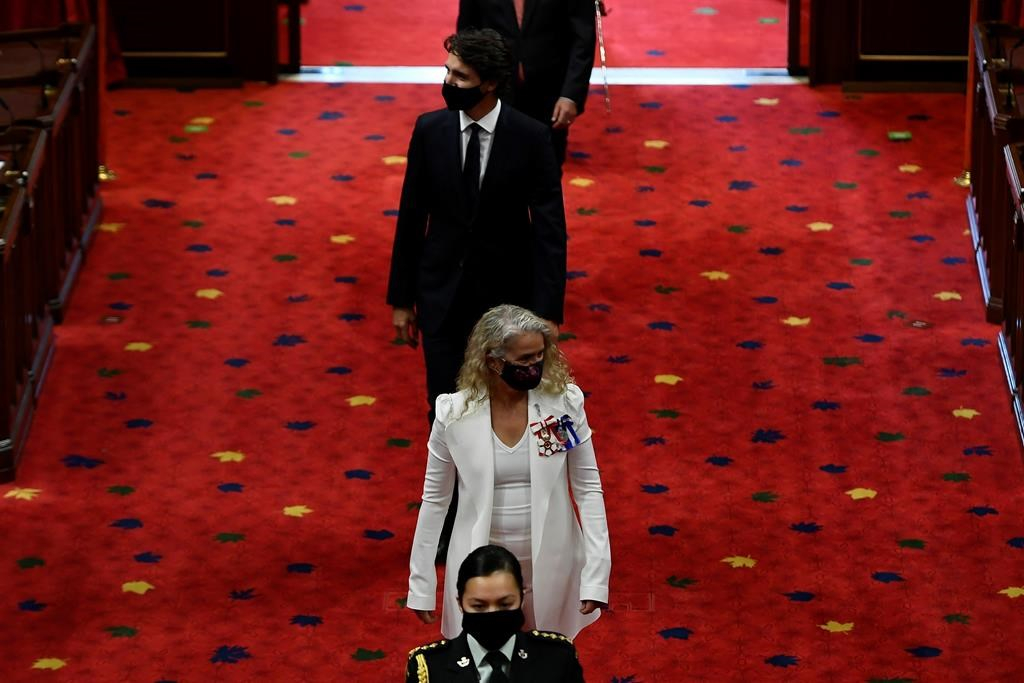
(554, 435)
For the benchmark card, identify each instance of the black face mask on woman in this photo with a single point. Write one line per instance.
(493, 629)
(522, 377)
(461, 99)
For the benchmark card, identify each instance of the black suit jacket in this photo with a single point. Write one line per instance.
(540, 657)
(555, 46)
(510, 249)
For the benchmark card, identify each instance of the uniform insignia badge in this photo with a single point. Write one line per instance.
(522, 653)
(464, 662)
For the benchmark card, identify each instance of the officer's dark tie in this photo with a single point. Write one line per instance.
(471, 167)
(497, 660)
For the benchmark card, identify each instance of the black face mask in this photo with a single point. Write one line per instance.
(493, 629)
(522, 377)
(461, 99)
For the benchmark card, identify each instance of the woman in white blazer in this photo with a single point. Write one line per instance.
(514, 439)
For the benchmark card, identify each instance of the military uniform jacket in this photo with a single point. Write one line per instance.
(540, 657)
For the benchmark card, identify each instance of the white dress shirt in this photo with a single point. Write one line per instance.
(484, 668)
(486, 134)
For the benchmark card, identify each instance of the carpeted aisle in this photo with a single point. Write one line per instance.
(801, 483)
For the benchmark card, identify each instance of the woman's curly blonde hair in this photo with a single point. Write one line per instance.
(491, 336)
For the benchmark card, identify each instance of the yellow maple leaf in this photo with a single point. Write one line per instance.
(836, 627)
(229, 456)
(137, 587)
(909, 168)
(656, 144)
(966, 413)
(767, 101)
(947, 296)
(820, 226)
(581, 182)
(342, 239)
(18, 493)
(737, 561)
(202, 120)
(1013, 592)
(668, 379)
(209, 294)
(49, 664)
(111, 227)
(794, 321)
(861, 494)
(361, 401)
(296, 511)
(715, 275)
(393, 160)
(138, 346)
(282, 200)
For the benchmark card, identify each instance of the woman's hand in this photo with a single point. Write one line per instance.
(588, 606)
(426, 616)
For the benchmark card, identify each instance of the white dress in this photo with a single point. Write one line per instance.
(510, 514)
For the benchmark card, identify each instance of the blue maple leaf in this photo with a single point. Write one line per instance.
(115, 396)
(678, 633)
(764, 385)
(624, 679)
(800, 596)
(839, 286)
(236, 362)
(81, 461)
(825, 405)
(737, 148)
(121, 306)
(700, 203)
(924, 651)
(127, 523)
(655, 53)
(230, 654)
(286, 222)
(301, 568)
(300, 426)
(923, 194)
(751, 344)
(833, 469)
(378, 534)
(661, 325)
(575, 274)
(766, 299)
(921, 239)
(978, 450)
(158, 204)
(138, 423)
(653, 253)
(650, 105)
(287, 131)
(390, 212)
(31, 606)
(346, 279)
(298, 298)
(206, 176)
(782, 660)
(767, 436)
(379, 98)
(331, 116)
(613, 129)
(771, 251)
(970, 341)
(654, 441)
(339, 370)
(600, 308)
(231, 487)
(828, 114)
(289, 340)
(1017, 542)
(644, 188)
(148, 558)
(951, 372)
(185, 157)
(342, 178)
(797, 208)
(806, 527)
(358, 474)
(374, 137)
(576, 154)
(741, 185)
(307, 620)
(243, 594)
(217, 272)
(662, 530)
(870, 338)
(644, 223)
(982, 511)
(654, 488)
(791, 162)
(954, 260)
(887, 577)
(618, 359)
(351, 317)
(727, 118)
(719, 460)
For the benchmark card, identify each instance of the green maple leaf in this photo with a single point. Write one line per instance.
(916, 391)
(415, 505)
(868, 152)
(30, 562)
(810, 130)
(677, 582)
(178, 139)
(249, 393)
(654, 169)
(566, 336)
(196, 128)
(665, 289)
(257, 103)
(861, 261)
(900, 214)
(768, 20)
(842, 361)
(364, 655)
(284, 258)
(889, 437)
(192, 224)
(118, 276)
(198, 324)
(956, 476)
(666, 413)
(108, 372)
(896, 314)
(915, 543)
(121, 490)
(586, 212)
(738, 229)
(401, 602)
(765, 496)
(343, 64)
(298, 155)
(121, 631)
(399, 443)
(398, 341)
(845, 186)
(229, 537)
(957, 619)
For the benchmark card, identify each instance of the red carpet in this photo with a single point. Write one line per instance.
(800, 484)
(720, 33)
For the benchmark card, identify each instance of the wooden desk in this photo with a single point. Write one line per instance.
(1011, 338)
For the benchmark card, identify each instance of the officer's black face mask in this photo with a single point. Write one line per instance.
(493, 629)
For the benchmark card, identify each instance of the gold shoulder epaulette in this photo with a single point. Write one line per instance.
(429, 646)
(551, 635)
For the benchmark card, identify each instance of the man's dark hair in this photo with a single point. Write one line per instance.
(484, 561)
(486, 51)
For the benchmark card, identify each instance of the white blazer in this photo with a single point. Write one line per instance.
(569, 563)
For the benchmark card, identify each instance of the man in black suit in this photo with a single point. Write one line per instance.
(553, 43)
(481, 220)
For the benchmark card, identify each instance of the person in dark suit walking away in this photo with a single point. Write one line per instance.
(481, 220)
(553, 42)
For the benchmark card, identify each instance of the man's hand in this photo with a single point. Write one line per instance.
(426, 616)
(588, 606)
(564, 114)
(404, 320)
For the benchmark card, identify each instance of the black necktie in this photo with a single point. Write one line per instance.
(471, 168)
(497, 660)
